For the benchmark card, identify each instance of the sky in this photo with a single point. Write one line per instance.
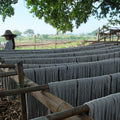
(23, 20)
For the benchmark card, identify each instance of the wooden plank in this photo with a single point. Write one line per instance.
(21, 81)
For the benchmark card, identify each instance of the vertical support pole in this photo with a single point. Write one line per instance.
(34, 42)
(104, 35)
(110, 35)
(21, 82)
(98, 35)
(55, 42)
(118, 38)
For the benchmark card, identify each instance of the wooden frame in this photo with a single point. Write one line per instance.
(50, 101)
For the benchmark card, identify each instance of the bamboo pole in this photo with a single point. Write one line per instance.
(21, 81)
(23, 90)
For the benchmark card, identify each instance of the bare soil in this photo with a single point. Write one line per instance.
(10, 110)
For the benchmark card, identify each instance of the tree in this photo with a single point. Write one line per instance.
(6, 8)
(38, 34)
(29, 32)
(93, 32)
(61, 13)
(45, 36)
(17, 32)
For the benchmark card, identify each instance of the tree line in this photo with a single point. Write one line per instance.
(30, 33)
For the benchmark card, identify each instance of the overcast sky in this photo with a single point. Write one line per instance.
(23, 20)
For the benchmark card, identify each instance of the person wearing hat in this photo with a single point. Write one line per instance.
(9, 36)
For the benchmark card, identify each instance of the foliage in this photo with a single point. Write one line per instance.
(44, 36)
(93, 33)
(17, 32)
(61, 13)
(38, 35)
(29, 32)
(6, 8)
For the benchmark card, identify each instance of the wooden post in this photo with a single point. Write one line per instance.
(110, 35)
(98, 35)
(21, 82)
(34, 41)
(104, 35)
(55, 42)
(118, 37)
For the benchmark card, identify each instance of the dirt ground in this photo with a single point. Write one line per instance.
(10, 110)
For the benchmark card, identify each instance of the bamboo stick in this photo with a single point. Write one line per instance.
(21, 81)
(6, 74)
(23, 90)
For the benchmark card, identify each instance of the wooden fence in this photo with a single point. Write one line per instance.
(63, 109)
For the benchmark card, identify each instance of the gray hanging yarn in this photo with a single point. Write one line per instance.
(40, 76)
(51, 74)
(115, 82)
(35, 109)
(29, 98)
(105, 108)
(65, 90)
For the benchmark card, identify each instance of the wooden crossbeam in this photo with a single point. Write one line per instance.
(23, 90)
(79, 110)
(6, 74)
(68, 113)
(7, 66)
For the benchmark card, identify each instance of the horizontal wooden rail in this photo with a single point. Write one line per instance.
(23, 90)
(7, 66)
(6, 74)
(104, 41)
(79, 110)
(41, 44)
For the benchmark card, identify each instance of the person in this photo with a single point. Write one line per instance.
(9, 36)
